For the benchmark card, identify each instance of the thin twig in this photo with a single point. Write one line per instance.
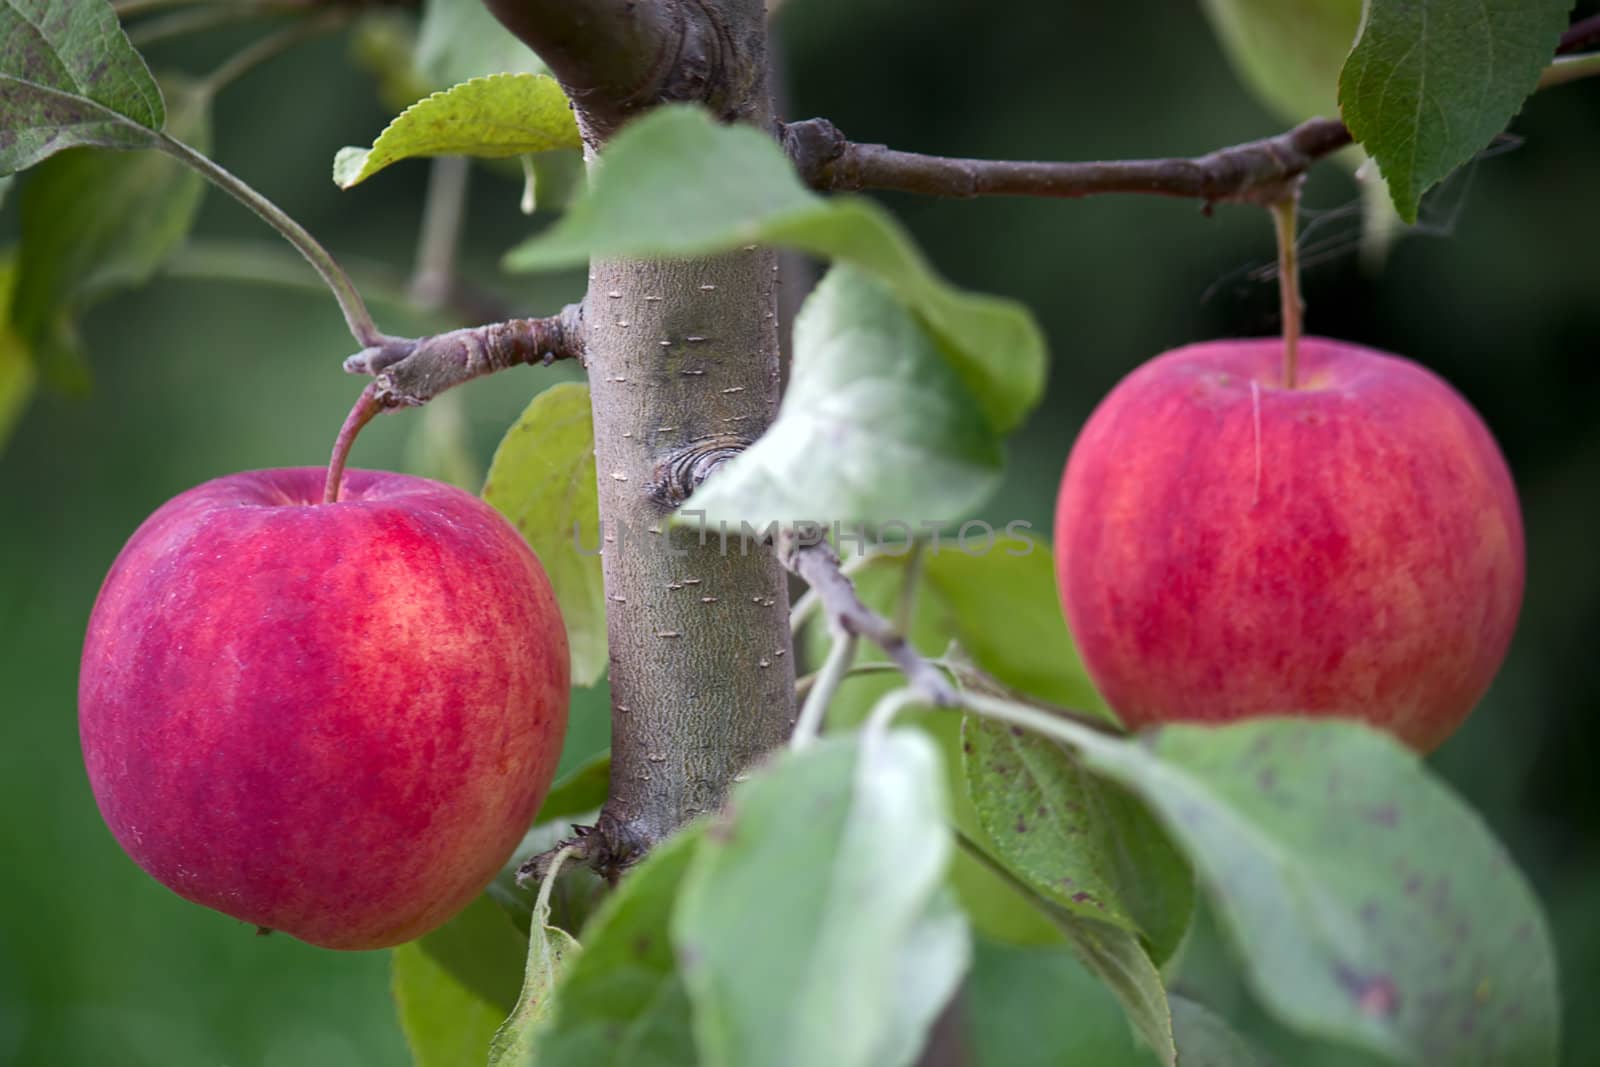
(818, 566)
(1580, 35)
(1254, 172)
(834, 671)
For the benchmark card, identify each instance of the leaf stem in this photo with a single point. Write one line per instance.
(366, 408)
(541, 904)
(834, 671)
(1284, 212)
(356, 315)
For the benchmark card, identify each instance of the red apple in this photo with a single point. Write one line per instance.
(1230, 548)
(334, 720)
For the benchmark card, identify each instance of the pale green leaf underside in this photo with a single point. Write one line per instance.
(677, 184)
(1369, 904)
(813, 926)
(875, 426)
(1431, 82)
(1205, 1039)
(551, 951)
(542, 478)
(68, 76)
(492, 117)
(622, 1002)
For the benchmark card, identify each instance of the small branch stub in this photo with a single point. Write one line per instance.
(410, 372)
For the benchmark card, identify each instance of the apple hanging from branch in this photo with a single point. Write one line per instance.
(331, 719)
(1229, 547)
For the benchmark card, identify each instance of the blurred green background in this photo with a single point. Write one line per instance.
(194, 378)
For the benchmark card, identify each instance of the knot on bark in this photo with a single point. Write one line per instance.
(686, 469)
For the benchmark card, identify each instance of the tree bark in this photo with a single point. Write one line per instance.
(683, 367)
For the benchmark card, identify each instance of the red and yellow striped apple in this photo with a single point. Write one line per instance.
(334, 720)
(1228, 547)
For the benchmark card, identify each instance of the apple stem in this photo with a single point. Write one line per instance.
(1284, 212)
(366, 408)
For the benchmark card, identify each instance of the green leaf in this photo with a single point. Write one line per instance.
(68, 76)
(94, 221)
(550, 953)
(1206, 1040)
(622, 1002)
(1076, 839)
(1033, 1007)
(1431, 82)
(542, 478)
(482, 950)
(493, 118)
(999, 601)
(1288, 51)
(674, 183)
(875, 426)
(460, 40)
(16, 366)
(1118, 959)
(445, 1023)
(845, 845)
(1369, 904)
(453, 987)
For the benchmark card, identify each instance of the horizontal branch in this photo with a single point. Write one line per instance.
(817, 564)
(409, 372)
(1255, 172)
(1580, 35)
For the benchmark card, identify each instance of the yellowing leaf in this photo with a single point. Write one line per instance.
(542, 478)
(491, 118)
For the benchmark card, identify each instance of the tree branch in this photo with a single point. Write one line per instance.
(817, 564)
(409, 372)
(616, 58)
(1254, 172)
(1580, 35)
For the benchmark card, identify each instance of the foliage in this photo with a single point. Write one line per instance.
(852, 884)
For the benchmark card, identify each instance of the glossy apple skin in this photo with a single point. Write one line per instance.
(332, 720)
(1228, 548)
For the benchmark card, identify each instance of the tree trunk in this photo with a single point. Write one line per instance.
(683, 368)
